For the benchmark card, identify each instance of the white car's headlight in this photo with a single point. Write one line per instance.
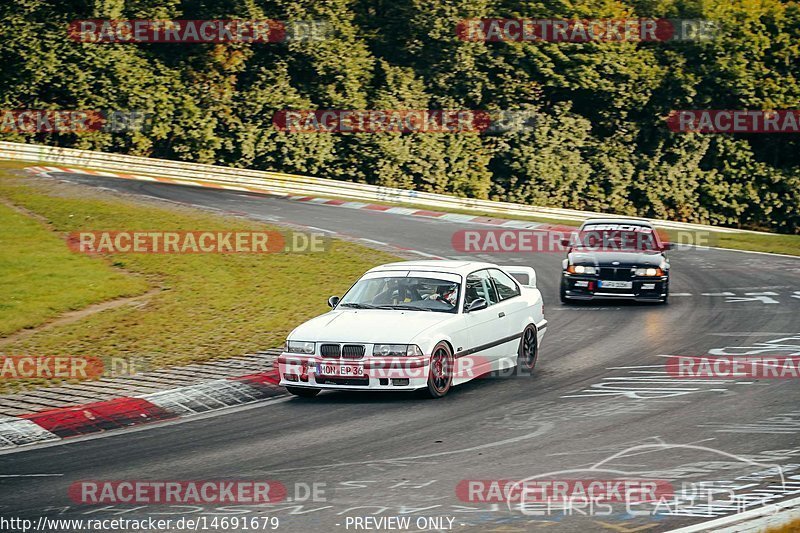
(395, 350)
(300, 347)
(649, 272)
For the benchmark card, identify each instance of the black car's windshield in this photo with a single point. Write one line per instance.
(610, 237)
(404, 293)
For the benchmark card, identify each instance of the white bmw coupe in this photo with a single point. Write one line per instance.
(419, 325)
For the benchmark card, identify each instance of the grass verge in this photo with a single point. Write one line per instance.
(43, 279)
(791, 527)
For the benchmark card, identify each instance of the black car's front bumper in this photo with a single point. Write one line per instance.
(645, 289)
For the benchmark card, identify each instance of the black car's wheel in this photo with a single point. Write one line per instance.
(665, 299)
(440, 375)
(562, 293)
(528, 351)
(303, 392)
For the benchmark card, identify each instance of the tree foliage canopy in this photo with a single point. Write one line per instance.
(598, 142)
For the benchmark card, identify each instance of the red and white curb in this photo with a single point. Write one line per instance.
(20, 431)
(424, 213)
(76, 420)
(403, 211)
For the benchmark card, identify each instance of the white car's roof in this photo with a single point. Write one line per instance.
(454, 267)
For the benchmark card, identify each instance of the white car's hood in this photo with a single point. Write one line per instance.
(368, 326)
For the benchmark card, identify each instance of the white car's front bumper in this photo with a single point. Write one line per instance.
(379, 373)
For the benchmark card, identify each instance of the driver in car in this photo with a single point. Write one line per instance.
(445, 293)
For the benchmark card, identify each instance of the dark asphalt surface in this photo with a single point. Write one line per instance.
(600, 392)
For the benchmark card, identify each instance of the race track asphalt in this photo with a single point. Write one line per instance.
(600, 393)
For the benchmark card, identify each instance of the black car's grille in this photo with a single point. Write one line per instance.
(616, 274)
(353, 351)
(329, 350)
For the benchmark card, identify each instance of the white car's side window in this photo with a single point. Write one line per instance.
(506, 287)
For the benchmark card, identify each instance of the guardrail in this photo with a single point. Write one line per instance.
(299, 185)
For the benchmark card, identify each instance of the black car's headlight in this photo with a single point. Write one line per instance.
(649, 272)
(307, 348)
(395, 350)
(582, 269)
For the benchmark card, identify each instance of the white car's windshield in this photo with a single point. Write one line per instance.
(408, 293)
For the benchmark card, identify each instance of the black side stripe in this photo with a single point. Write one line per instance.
(540, 328)
(489, 345)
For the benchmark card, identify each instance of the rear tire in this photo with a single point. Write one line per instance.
(440, 373)
(528, 352)
(303, 392)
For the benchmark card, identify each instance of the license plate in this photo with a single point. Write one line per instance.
(609, 284)
(328, 369)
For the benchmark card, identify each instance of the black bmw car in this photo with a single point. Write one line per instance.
(615, 258)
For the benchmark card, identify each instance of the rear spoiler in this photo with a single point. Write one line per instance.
(525, 276)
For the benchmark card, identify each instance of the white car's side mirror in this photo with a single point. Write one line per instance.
(332, 301)
(476, 305)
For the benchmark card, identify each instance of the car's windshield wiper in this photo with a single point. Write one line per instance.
(355, 305)
(404, 307)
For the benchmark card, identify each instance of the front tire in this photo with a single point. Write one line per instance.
(303, 392)
(440, 373)
(562, 293)
(528, 352)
